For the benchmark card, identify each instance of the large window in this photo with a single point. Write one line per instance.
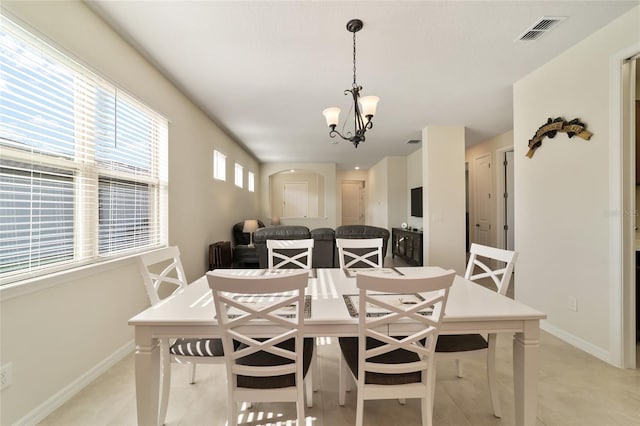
(83, 167)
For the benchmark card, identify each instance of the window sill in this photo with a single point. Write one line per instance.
(32, 285)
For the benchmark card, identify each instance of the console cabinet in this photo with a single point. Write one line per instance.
(407, 245)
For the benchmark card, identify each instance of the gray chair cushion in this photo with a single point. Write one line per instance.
(349, 348)
(460, 343)
(266, 359)
(197, 347)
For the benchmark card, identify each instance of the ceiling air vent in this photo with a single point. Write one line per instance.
(541, 26)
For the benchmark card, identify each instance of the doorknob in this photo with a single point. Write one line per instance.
(477, 225)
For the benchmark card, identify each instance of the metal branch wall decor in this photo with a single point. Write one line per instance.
(552, 126)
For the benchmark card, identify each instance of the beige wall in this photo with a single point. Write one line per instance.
(443, 204)
(494, 147)
(346, 175)
(57, 332)
(328, 173)
(398, 192)
(414, 179)
(388, 193)
(315, 192)
(377, 205)
(563, 193)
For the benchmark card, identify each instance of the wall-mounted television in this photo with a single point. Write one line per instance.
(416, 201)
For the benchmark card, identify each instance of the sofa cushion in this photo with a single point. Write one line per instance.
(281, 232)
(361, 232)
(324, 243)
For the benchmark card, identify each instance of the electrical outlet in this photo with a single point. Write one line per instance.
(572, 303)
(6, 375)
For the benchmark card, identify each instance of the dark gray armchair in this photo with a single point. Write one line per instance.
(244, 256)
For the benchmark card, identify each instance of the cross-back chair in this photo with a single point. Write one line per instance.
(263, 369)
(290, 253)
(360, 253)
(295, 254)
(391, 367)
(163, 275)
(484, 263)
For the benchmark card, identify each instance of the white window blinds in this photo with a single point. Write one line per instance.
(83, 166)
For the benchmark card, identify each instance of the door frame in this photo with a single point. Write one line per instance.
(473, 220)
(363, 204)
(621, 244)
(500, 189)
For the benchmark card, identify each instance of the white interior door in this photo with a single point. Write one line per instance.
(353, 202)
(482, 199)
(295, 200)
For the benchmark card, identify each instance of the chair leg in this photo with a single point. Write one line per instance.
(308, 386)
(343, 370)
(491, 376)
(459, 368)
(165, 385)
(233, 413)
(425, 410)
(432, 391)
(359, 409)
(300, 405)
(193, 372)
(315, 373)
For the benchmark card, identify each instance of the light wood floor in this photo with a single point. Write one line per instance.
(574, 389)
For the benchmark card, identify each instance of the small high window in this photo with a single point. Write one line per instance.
(219, 165)
(239, 172)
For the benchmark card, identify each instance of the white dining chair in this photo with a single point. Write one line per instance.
(392, 367)
(360, 253)
(263, 369)
(163, 275)
(296, 254)
(496, 264)
(290, 253)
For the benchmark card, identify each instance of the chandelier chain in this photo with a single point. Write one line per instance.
(354, 60)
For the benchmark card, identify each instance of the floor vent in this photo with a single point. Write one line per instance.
(540, 27)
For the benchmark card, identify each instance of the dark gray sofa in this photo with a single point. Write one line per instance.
(361, 232)
(324, 246)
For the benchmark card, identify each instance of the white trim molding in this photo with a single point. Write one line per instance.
(39, 413)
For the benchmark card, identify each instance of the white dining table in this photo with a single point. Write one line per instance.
(471, 308)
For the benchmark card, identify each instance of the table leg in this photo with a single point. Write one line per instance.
(525, 373)
(147, 365)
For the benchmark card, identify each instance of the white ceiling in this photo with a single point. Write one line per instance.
(265, 70)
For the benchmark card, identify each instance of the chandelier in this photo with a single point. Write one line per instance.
(364, 108)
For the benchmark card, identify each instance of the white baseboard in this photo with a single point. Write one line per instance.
(587, 347)
(50, 405)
